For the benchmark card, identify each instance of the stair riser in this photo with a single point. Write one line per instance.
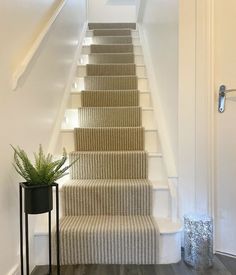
(138, 60)
(75, 100)
(71, 119)
(80, 85)
(166, 255)
(66, 140)
(109, 165)
(109, 139)
(115, 25)
(160, 203)
(156, 169)
(134, 34)
(137, 50)
(107, 198)
(113, 32)
(140, 71)
(111, 58)
(89, 40)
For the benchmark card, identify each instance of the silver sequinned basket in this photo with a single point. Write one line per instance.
(198, 241)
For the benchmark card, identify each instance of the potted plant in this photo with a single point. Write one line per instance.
(39, 177)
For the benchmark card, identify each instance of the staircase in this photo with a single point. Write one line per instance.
(116, 206)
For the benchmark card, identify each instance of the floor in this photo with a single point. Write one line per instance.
(222, 266)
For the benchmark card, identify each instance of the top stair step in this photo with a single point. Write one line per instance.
(93, 26)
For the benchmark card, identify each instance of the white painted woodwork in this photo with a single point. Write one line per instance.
(103, 11)
(225, 131)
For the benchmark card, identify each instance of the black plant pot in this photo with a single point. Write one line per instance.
(38, 198)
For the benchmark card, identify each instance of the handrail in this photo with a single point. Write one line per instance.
(21, 69)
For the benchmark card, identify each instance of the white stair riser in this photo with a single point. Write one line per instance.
(161, 203)
(133, 33)
(170, 248)
(75, 100)
(71, 120)
(156, 169)
(86, 50)
(79, 84)
(66, 140)
(140, 71)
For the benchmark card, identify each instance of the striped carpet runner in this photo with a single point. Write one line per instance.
(107, 204)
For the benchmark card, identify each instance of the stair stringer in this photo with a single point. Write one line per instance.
(168, 156)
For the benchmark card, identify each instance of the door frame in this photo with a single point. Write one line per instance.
(197, 107)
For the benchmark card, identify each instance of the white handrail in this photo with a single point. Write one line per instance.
(21, 69)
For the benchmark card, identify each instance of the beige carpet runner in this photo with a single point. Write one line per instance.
(107, 204)
(110, 69)
(98, 58)
(117, 139)
(121, 48)
(110, 98)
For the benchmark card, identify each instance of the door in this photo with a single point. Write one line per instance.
(225, 128)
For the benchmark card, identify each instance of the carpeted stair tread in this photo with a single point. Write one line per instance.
(105, 26)
(110, 69)
(111, 82)
(109, 139)
(120, 48)
(110, 116)
(108, 240)
(112, 98)
(112, 40)
(107, 197)
(102, 58)
(112, 32)
(109, 165)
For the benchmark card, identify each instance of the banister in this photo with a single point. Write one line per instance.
(22, 68)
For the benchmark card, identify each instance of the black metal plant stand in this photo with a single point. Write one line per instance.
(24, 186)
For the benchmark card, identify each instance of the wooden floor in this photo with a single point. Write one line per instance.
(222, 266)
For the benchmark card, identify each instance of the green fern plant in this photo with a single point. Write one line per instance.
(44, 170)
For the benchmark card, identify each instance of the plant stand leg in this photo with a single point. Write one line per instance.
(21, 232)
(57, 229)
(27, 243)
(50, 242)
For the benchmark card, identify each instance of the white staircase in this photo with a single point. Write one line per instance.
(164, 202)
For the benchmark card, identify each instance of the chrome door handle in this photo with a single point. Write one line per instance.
(222, 97)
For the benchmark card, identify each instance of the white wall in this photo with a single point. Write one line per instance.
(112, 11)
(159, 20)
(27, 115)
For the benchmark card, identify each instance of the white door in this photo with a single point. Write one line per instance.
(225, 130)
